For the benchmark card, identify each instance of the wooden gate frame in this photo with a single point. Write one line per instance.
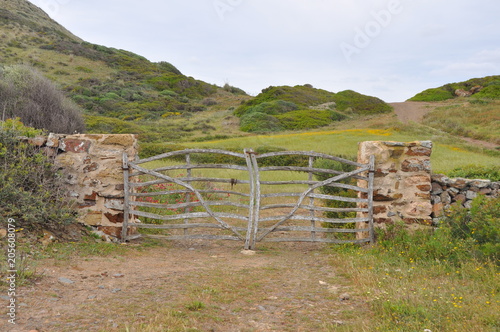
(254, 233)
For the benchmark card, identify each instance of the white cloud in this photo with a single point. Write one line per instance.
(257, 43)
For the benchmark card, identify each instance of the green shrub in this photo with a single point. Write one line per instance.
(463, 235)
(336, 191)
(361, 104)
(305, 119)
(476, 172)
(257, 122)
(302, 96)
(147, 150)
(273, 107)
(31, 190)
(233, 90)
(169, 93)
(490, 92)
(307, 96)
(167, 66)
(429, 245)
(283, 160)
(479, 224)
(435, 94)
(27, 94)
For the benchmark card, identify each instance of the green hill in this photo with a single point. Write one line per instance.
(303, 107)
(122, 92)
(114, 87)
(490, 90)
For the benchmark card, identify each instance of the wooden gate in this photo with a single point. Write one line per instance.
(218, 194)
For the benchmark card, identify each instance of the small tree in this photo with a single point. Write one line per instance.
(25, 93)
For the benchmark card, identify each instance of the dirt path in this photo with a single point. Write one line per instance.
(412, 111)
(282, 287)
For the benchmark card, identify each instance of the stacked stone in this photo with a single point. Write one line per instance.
(93, 170)
(446, 192)
(402, 181)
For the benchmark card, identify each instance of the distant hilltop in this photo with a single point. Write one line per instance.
(481, 88)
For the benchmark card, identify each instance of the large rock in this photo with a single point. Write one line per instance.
(462, 93)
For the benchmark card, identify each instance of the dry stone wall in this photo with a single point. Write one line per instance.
(447, 192)
(93, 170)
(402, 182)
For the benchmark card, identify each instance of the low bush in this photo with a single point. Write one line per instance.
(305, 119)
(27, 94)
(233, 90)
(282, 160)
(479, 225)
(336, 191)
(257, 122)
(31, 190)
(361, 104)
(476, 172)
(274, 107)
(463, 235)
(435, 94)
(302, 96)
(147, 150)
(489, 92)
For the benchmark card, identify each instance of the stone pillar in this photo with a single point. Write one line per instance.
(402, 183)
(92, 166)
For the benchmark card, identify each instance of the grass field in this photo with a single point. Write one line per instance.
(446, 156)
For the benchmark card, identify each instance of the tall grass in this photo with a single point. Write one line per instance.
(445, 157)
(479, 120)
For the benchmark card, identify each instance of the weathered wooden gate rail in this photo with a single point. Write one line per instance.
(260, 220)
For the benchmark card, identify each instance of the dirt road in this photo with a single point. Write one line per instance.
(412, 111)
(202, 286)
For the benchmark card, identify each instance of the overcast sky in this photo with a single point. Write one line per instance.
(391, 49)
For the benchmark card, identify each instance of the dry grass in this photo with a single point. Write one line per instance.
(478, 120)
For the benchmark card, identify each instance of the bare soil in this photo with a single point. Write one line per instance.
(283, 287)
(412, 111)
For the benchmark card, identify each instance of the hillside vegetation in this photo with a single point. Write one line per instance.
(122, 92)
(477, 119)
(28, 95)
(490, 84)
(114, 87)
(303, 107)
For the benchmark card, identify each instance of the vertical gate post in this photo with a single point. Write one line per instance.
(311, 200)
(126, 198)
(253, 212)
(187, 198)
(371, 176)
